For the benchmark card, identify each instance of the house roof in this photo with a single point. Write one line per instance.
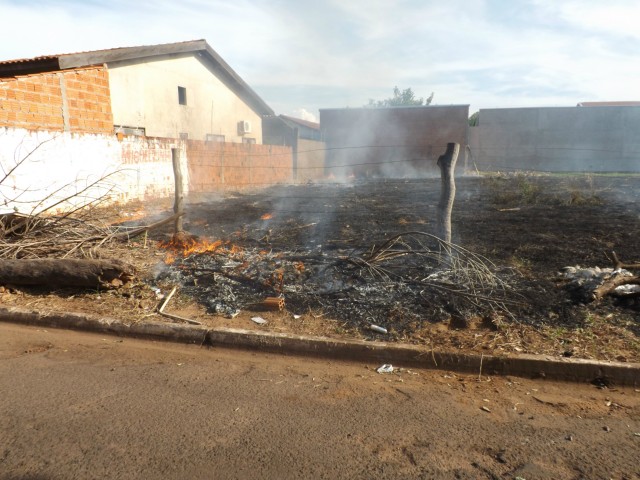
(50, 63)
(300, 121)
(609, 104)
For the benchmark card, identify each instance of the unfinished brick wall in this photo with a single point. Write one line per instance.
(76, 100)
(215, 166)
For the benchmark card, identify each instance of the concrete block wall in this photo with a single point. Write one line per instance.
(311, 160)
(215, 166)
(394, 142)
(76, 100)
(557, 139)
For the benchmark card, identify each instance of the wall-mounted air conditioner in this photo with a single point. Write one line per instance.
(244, 126)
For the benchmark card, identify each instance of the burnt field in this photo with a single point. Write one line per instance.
(364, 253)
(344, 257)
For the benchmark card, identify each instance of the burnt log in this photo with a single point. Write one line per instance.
(66, 272)
(609, 285)
(618, 264)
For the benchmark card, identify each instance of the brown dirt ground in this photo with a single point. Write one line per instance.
(533, 224)
(76, 405)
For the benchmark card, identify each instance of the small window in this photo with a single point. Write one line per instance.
(248, 140)
(212, 137)
(184, 136)
(182, 95)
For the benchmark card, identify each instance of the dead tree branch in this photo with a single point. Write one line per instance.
(618, 264)
(467, 276)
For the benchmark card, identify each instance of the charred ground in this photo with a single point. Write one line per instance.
(308, 242)
(526, 228)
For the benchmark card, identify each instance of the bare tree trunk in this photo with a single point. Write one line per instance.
(447, 164)
(67, 272)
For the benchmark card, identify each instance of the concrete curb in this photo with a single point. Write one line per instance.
(541, 366)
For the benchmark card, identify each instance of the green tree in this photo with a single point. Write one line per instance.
(400, 98)
(474, 119)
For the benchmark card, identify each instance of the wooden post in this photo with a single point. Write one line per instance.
(447, 164)
(178, 205)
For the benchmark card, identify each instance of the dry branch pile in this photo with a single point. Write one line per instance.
(54, 243)
(64, 236)
(62, 251)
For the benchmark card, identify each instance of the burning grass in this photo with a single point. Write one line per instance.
(185, 245)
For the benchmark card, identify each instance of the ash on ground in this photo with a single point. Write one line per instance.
(584, 282)
(312, 245)
(407, 279)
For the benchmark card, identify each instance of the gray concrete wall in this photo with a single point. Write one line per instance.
(396, 142)
(558, 139)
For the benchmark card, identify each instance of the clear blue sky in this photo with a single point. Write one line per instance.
(302, 55)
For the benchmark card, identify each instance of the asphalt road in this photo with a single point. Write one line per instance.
(77, 405)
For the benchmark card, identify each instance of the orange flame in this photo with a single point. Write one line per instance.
(201, 247)
(190, 246)
(266, 216)
(276, 280)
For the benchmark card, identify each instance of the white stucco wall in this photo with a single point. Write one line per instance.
(53, 166)
(145, 94)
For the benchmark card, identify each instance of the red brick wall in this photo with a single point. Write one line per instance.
(35, 102)
(89, 100)
(215, 166)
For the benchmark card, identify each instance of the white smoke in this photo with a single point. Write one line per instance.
(304, 114)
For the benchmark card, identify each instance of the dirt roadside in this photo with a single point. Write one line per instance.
(78, 405)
